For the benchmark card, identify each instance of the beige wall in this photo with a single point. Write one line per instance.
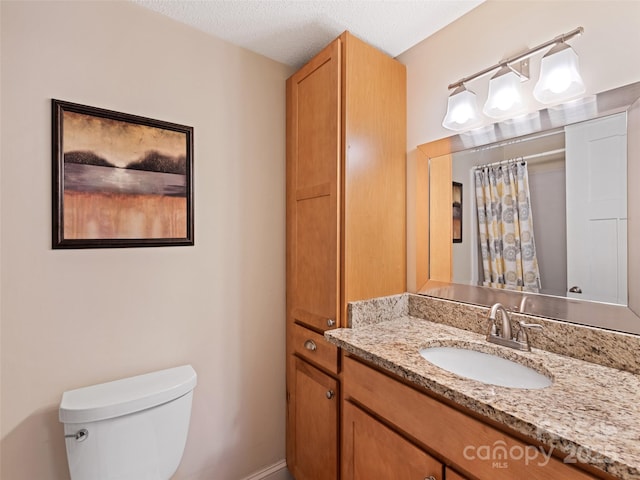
(77, 317)
(608, 53)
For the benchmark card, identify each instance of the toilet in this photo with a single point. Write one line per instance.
(130, 429)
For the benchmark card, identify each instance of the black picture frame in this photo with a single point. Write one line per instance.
(119, 180)
(457, 212)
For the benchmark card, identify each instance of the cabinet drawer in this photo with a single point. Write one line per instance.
(319, 322)
(473, 446)
(313, 347)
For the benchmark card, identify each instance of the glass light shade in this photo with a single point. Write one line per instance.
(462, 110)
(504, 98)
(559, 76)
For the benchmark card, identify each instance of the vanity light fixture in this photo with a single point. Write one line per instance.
(462, 110)
(504, 99)
(560, 80)
(559, 76)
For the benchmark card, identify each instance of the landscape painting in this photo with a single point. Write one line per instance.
(120, 180)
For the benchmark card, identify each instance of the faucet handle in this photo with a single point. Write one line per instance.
(535, 326)
(522, 332)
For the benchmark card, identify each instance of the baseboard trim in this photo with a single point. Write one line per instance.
(277, 471)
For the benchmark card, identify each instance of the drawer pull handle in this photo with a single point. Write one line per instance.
(310, 345)
(331, 322)
(330, 394)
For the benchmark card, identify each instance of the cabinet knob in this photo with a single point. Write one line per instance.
(331, 322)
(310, 345)
(330, 394)
(430, 477)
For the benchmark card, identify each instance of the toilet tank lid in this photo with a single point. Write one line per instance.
(128, 395)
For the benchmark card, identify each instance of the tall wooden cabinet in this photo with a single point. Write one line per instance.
(346, 240)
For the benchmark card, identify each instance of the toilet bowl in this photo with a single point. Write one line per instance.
(130, 429)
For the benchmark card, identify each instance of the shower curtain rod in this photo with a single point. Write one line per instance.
(523, 158)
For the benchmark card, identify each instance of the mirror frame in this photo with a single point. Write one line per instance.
(429, 275)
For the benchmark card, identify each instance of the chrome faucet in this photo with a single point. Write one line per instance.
(504, 336)
(505, 330)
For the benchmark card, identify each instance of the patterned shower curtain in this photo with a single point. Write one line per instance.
(506, 227)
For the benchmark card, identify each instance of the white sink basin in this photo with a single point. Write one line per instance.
(485, 367)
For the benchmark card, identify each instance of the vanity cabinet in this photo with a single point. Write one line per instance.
(346, 241)
(460, 441)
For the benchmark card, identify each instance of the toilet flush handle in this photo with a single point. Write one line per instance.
(80, 435)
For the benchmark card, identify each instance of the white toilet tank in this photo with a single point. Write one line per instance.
(130, 429)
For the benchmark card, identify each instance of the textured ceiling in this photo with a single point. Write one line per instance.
(292, 31)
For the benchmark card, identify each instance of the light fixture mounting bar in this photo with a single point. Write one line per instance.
(560, 38)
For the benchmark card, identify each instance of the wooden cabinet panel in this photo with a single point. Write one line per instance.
(313, 168)
(313, 418)
(371, 450)
(316, 91)
(315, 348)
(316, 266)
(461, 440)
(374, 173)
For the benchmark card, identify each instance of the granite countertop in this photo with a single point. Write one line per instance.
(591, 413)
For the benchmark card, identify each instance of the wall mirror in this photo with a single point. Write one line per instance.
(578, 160)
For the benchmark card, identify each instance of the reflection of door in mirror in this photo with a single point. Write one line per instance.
(596, 159)
(633, 199)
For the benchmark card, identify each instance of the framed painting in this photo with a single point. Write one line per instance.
(120, 180)
(457, 212)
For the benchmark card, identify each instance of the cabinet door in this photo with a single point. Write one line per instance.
(371, 450)
(313, 169)
(313, 422)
